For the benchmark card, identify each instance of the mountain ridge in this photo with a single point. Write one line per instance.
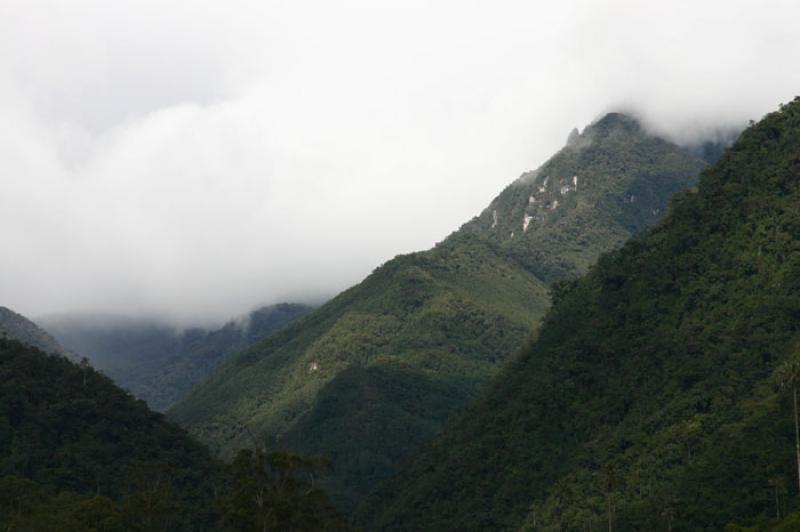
(18, 327)
(159, 362)
(649, 400)
(440, 322)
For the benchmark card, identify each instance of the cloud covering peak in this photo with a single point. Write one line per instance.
(195, 161)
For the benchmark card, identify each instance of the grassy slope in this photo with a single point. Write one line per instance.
(650, 388)
(376, 372)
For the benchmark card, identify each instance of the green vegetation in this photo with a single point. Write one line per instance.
(409, 345)
(607, 184)
(79, 454)
(790, 523)
(375, 373)
(25, 505)
(275, 491)
(67, 428)
(652, 398)
(157, 362)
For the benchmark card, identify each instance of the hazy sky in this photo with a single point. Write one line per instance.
(194, 159)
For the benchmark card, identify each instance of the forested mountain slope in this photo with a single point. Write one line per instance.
(157, 362)
(68, 428)
(605, 185)
(18, 327)
(375, 373)
(651, 399)
(409, 345)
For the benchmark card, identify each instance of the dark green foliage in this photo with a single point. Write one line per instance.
(790, 523)
(442, 321)
(648, 401)
(277, 491)
(401, 406)
(26, 507)
(377, 371)
(156, 362)
(79, 454)
(68, 428)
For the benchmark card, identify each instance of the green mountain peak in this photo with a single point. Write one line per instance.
(650, 399)
(375, 373)
(610, 182)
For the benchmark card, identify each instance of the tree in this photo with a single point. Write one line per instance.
(153, 506)
(609, 484)
(778, 485)
(18, 497)
(668, 513)
(788, 375)
(276, 491)
(86, 367)
(564, 496)
(26, 505)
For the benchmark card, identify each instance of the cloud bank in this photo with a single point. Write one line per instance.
(193, 161)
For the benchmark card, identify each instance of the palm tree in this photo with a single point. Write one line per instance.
(788, 374)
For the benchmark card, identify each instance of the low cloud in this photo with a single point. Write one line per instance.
(162, 158)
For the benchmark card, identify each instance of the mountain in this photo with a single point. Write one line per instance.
(416, 340)
(65, 428)
(375, 373)
(18, 327)
(157, 362)
(658, 395)
(607, 184)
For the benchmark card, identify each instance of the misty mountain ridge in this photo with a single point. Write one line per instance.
(157, 361)
(581, 200)
(18, 327)
(658, 394)
(376, 372)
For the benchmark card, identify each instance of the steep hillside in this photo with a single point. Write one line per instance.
(605, 185)
(66, 427)
(376, 372)
(155, 361)
(440, 322)
(650, 400)
(18, 327)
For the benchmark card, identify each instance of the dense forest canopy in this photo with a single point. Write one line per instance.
(649, 400)
(67, 427)
(79, 454)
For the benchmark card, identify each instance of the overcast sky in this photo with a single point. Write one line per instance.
(194, 159)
